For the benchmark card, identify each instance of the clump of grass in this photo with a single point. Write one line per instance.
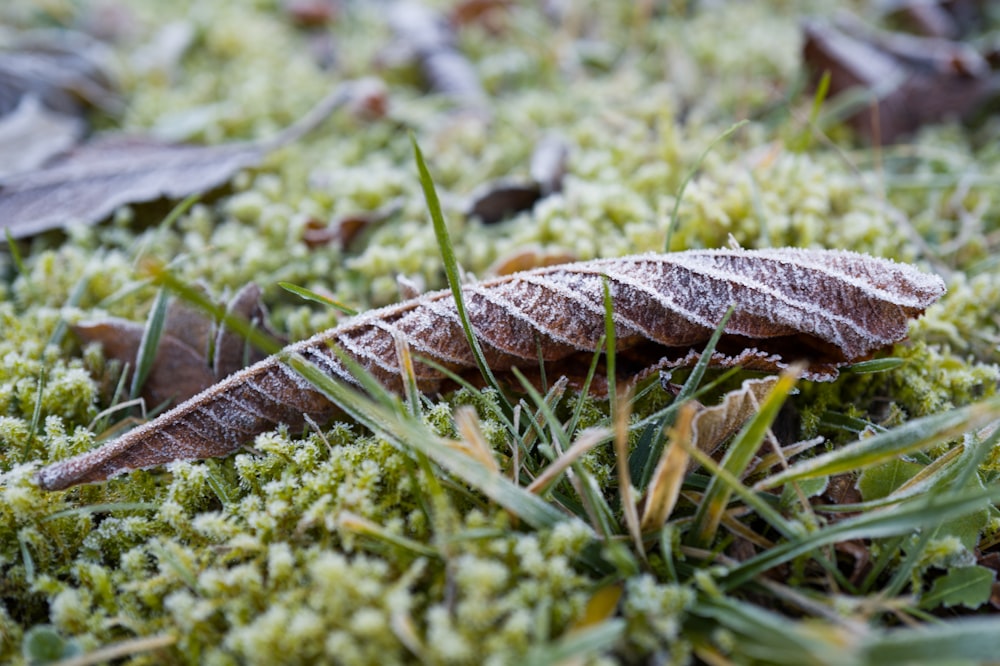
(763, 607)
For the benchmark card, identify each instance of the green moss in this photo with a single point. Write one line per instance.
(654, 612)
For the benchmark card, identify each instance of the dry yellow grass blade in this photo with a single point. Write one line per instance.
(670, 471)
(473, 442)
(622, 410)
(588, 439)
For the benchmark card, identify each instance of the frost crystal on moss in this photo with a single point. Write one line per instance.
(654, 613)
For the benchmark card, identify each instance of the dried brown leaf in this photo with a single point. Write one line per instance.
(68, 71)
(311, 13)
(232, 352)
(177, 373)
(706, 428)
(503, 198)
(943, 56)
(924, 18)
(820, 308)
(939, 18)
(714, 425)
(528, 258)
(92, 181)
(31, 135)
(346, 229)
(190, 326)
(183, 366)
(430, 38)
(912, 81)
(491, 14)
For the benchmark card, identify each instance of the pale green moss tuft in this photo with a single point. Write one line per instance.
(654, 612)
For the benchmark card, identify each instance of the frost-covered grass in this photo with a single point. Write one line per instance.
(401, 546)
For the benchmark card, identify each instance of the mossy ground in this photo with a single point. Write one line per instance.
(332, 546)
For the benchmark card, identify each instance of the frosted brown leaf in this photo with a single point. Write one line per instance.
(821, 307)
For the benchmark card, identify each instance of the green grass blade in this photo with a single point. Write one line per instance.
(451, 266)
(310, 295)
(847, 423)
(912, 436)
(970, 460)
(109, 507)
(460, 381)
(150, 343)
(543, 407)
(875, 365)
(26, 559)
(219, 486)
(36, 415)
(254, 335)
(693, 380)
(588, 489)
(804, 139)
(15, 253)
(100, 422)
(903, 518)
(371, 386)
(410, 435)
(75, 296)
(579, 644)
(670, 411)
(585, 389)
(973, 455)
(609, 337)
(763, 636)
(965, 640)
(690, 175)
(404, 357)
(821, 92)
(362, 526)
(540, 352)
(751, 498)
(179, 210)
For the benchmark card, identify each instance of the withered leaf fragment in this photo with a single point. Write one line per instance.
(178, 370)
(431, 40)
(193, 352)
(529, 257)
(503, 198)
(345, 230)
(711, 426)
(706, 428)
(819, 307)
(91, 182)
(231, 352)
(912, 81)
(31, 135)
(95, 179)
(938, 18)
(67, 71)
